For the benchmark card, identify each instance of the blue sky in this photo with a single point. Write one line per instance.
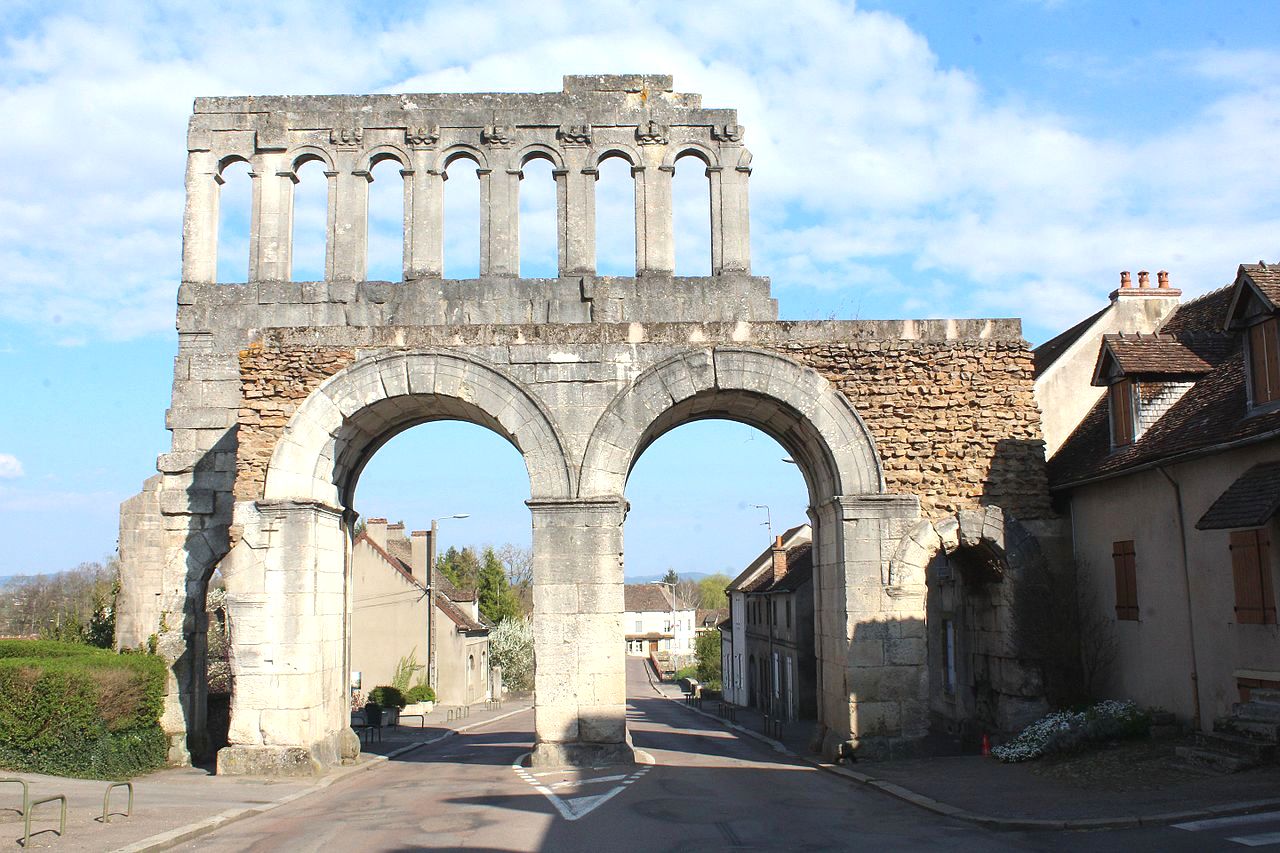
(911, 159)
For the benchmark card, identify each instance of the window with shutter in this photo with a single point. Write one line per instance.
(1125, 559)
(1251, 572)
(1264, 362)
(1122, 413)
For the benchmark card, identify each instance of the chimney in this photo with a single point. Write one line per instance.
(377, 530)
(1144, 290)
(420, 542)
(395, 531)
(779, 560)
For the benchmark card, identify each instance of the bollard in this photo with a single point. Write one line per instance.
(106, 800)
(62, 821)
(26, 794)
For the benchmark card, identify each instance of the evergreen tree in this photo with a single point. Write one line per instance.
(670, 577)
(496, 598)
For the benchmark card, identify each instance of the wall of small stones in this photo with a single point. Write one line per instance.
(955, 422)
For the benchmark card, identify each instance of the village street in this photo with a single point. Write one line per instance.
(707, 789)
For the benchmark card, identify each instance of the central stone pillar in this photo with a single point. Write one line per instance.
(578, 642)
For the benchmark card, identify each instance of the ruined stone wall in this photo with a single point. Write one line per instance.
(955, 421)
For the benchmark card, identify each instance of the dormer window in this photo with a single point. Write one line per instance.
(1124, 419)
(1264, 362)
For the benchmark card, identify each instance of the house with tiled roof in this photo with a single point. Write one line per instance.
(1172, 482)
(767, 656)
(390, 621)
(656, 621)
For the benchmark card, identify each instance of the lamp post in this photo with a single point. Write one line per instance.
(431, 602)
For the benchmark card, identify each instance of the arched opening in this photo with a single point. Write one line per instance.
(615, 217)
(720, 503)
(539, 255)
(691, 214)
(218, 663)
(409, 488)
(235, 206)
(386, 221)
(461, 217)
(310, 221)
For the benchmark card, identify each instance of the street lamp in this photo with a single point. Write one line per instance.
(431, 602)
(768, 518)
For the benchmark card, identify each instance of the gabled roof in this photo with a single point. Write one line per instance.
(1250, 501)
(649, 598)
(1138, 355)
(1212, 413)
(458, 616)
(799, 572)
(1051, 350)
(764, 561)
(444, 593)
(1261, 281)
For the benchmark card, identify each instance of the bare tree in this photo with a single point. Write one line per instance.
(518, 563)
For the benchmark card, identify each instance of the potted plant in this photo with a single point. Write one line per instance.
(391, 700)
(420, 699)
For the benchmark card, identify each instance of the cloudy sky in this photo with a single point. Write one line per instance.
(911, 159)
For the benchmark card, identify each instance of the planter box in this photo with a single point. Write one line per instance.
(418, 708)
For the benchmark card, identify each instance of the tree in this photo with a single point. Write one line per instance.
(519, 565)
(462, 568)
(496, 600)
(511, 647)
(711, 594)
(63, 605)
(707, 649)
(671, 577)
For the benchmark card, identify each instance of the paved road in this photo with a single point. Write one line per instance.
(705, 790)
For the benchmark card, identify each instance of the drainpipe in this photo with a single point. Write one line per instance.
(1186, 580)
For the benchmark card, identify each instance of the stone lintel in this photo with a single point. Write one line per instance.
(887, 506)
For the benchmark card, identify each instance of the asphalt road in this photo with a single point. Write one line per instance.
(707, 789)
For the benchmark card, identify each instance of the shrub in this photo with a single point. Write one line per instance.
(420, 693)
(1064, 731)
(387, 696)
(511, 647)
(73, 710)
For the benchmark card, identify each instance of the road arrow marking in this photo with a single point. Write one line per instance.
(572, 808)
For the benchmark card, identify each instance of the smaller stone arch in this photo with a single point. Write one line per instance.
(539, 151)
(461, 151)
(619, 150)
(303, 154)
(691, 149)
(1009, 547)
(388, 151)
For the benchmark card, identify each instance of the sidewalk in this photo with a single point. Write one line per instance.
(1015, 796)
(177, 804)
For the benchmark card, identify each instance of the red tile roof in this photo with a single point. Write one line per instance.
(1148, 355)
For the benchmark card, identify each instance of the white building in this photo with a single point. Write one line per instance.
(656, 621)
(733, 636)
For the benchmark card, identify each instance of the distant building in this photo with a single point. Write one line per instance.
(656, 621)
(389, 617)
(767, 654)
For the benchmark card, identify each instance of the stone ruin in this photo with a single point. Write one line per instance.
(284, 389)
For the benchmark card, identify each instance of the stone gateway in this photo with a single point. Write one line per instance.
(916, 439)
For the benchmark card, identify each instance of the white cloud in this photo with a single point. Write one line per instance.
(10, 467)
(867, 150)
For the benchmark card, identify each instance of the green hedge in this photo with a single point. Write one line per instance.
(74, 710)
(387, 696)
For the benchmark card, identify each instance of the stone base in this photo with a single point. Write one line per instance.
(837, 746)
(242, 760)
(579, 754)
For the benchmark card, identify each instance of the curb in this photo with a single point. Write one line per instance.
(990, 821)
(166, 840)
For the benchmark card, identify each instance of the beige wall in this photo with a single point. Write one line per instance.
(1064, 392)
(388, 619)
(1154, 663)
(457, 681)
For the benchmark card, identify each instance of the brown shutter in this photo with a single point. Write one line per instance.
(1125, 559)
(1273, 359)
(1266, 588)
(1247, 569)
(1264, 361)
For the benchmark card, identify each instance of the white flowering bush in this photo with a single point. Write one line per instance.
(1063, 731)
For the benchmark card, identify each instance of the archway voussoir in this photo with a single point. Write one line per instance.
(395, 379)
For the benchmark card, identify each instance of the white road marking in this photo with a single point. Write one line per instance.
(572, 808)
(1262, 839)
(1219, 822)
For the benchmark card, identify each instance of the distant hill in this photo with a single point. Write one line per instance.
(684, 576)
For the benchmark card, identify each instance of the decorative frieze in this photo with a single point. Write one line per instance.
(422, 136)
(346, 137)
(575, 134)
(727, 132)
(652, 132)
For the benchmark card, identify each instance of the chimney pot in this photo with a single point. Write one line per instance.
(1124, 279)
(1144, 279)
(376, 528)
(1163, 278)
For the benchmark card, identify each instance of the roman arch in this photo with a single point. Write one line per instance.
(284, 389)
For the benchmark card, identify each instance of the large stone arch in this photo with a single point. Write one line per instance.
(342, 423)
(793, 404)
